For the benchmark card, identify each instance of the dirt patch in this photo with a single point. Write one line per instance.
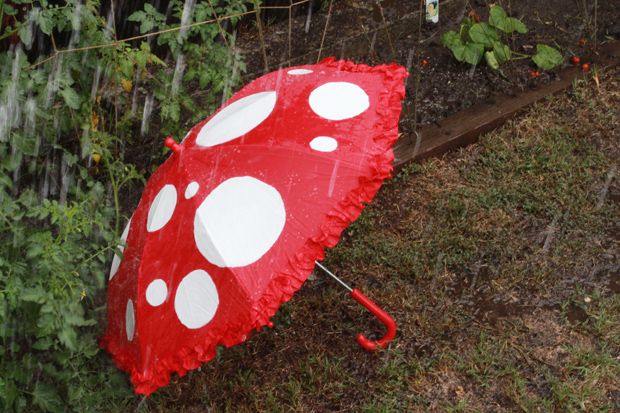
(385, 31)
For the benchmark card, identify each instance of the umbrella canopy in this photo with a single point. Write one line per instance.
(230, 226)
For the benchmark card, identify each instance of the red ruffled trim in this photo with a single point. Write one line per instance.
(288, 281)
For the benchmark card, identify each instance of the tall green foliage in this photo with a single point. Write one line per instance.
(68, 124)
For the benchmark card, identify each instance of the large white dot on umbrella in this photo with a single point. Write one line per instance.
(324, 144)
(156, 292)
(130, 320)
(162, 208)
(196, 299)
(237, 119)
(116, 261)
(338, 100)
(298, 72)
(191, 189)
(239, 221)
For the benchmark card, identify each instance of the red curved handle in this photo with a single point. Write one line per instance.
(381, 315)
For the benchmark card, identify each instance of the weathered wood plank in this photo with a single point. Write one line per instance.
(464, 128)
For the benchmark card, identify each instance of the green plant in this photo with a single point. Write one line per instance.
(476, 40)
(71, 123)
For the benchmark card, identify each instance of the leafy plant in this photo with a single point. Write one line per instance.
(72, 123)
(476, 40)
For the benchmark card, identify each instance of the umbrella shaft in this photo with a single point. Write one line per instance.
(331, 274)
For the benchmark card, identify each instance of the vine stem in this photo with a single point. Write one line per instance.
(98, 253)
(520, 54)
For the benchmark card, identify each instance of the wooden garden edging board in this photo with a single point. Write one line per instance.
(466, 126)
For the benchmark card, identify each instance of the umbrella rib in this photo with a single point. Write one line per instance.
(331, 274)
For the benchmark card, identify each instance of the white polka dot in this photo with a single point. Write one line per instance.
(196, 299)
(299, 72)
(324, 144)
(238, 222)
(162, 208)
(116, 261)
(130, 320)
(338, 100)
(156, 292)
(237, 119)
(191, 189)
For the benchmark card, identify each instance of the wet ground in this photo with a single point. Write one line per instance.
(500, 263)
(376, 32)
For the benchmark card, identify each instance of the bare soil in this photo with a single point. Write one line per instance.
(389, 30)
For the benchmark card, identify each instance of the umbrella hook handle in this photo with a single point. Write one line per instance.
(385, 318)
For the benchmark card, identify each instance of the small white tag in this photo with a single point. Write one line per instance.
(432, 10)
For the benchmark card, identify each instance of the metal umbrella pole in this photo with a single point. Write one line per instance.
(385, 318)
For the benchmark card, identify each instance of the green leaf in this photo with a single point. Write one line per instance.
(46, 21)
(25, 34)
(473, 53)
(451, 39)
(502, 52)
(7, 9)
(72, 99)
(47, 398)
(483, 33)
(68, 337)
(499, 19)
(35, 294)
(491, 60)
(517, 25)
(464, 30)
(547, 57)
(43, 343)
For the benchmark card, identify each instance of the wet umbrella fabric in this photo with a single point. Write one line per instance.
(230, 225)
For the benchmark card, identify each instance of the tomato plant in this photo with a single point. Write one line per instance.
(68, 124)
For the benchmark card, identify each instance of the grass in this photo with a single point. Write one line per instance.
(500, 264)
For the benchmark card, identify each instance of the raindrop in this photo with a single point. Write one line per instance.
(65, 179)
(76, 22)
(134, 94)
(409, 63)
(16, 164)
(10, 114)
(186, 19)
(45, 183)
(53, 177)
(53, 82)
(95, 86)
(178, 74)
(110, 26)
(371, 48)
(233, 78)
(4, 123)
(309, 17)
(30, 111)
(146, 114)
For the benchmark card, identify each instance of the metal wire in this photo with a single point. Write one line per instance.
(331, 274)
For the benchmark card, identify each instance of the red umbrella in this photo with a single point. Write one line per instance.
(230, 226)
